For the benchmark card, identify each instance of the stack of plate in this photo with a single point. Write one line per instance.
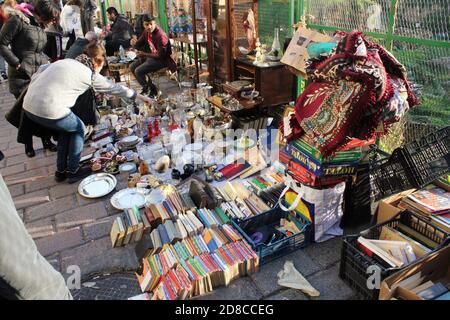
(129, 142)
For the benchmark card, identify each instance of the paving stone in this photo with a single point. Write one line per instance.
(80, 215)
(82, 201)
(16, 190)
(40, 172)
(42, 183)
(50, 208)
(325, 253)
(99, 228)
(109, 208)
(41, 228)
(99, 256)
(63, 189)
(240, 289)
(330, 286)
(289, 294)
(30, 199)
(38, 162)
(20, 158)
(59, 241)
(8, 171)
(54, 261)
(13, 151)
(266, 278)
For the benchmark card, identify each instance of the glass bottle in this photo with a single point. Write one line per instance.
(276, 46)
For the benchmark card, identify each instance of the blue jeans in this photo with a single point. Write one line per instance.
(70, 140)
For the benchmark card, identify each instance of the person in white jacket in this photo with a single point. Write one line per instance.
(71, 21)
(54, 91)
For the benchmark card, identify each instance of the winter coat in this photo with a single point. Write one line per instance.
(121, 31)
(27, 41)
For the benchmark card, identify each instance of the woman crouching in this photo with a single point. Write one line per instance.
(52, 93)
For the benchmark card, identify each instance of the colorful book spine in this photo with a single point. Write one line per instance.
(320, 170)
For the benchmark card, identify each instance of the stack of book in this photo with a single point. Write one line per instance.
(416, 286)
(196, 264)
(240, 202)
(395, 247)
(308, 166)
(432, 202)
(171, 219)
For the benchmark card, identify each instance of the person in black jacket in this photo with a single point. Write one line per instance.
(22, 43)
(120, 33)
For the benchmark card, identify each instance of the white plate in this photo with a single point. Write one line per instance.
(128, 167)
(128, 198)
(130, 140)
(97, 185)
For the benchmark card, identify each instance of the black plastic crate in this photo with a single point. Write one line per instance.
(428, 158)
(414, 165)
(269, 252)
(355, 263)
(388, 176)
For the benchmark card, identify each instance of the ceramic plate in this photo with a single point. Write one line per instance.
(130, 140)
(97, 185)
(127, 167)
(128, 198)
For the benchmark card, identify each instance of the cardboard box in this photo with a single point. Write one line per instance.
(387, 208)
(435, 267)
(296, 53)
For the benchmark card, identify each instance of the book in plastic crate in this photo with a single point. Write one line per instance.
(265, 222)
(414, 165)
(357, 268)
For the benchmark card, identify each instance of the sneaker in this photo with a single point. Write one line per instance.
(60, 176)
(82, 173)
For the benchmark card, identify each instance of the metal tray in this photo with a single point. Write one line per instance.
(97, 185)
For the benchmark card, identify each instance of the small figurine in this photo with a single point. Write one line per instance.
(250, 29)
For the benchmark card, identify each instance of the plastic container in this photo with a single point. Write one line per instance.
(279, 248)
(414, 165)
(355, 263)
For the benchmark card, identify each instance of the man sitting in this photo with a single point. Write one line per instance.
(80, 43)
(120, 33)
(154, 53)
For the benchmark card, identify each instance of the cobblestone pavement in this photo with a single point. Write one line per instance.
(71, 230)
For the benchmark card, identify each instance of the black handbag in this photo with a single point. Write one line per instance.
(85, 108)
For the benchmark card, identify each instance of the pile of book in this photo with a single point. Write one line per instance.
(239, 202)
(308, 166)
(416, 286)
(394, 247)
(196, 264)
(432, 203)
(172, 217)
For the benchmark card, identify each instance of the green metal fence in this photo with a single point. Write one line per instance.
(416, 31)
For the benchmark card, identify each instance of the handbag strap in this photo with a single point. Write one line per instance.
(291, 184)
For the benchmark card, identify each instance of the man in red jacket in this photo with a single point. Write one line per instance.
(154, 53)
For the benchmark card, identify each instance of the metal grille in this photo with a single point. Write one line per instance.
(273, 14)
(417, 33)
